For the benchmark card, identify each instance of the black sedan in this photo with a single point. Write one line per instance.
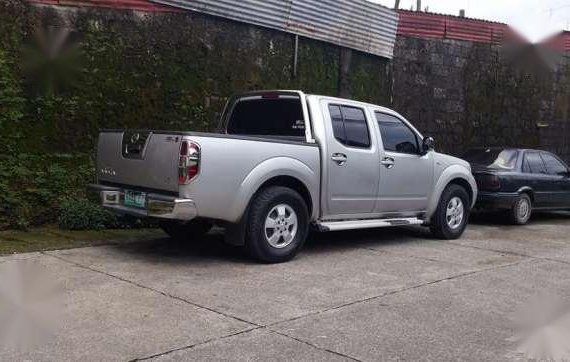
(519, 181)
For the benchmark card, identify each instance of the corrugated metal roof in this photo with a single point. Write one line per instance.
(356, 24)
(430, 25)
(559, 42)
(140, 5)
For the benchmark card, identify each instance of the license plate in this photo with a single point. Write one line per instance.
(135, 199)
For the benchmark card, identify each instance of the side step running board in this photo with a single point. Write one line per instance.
(366, 224)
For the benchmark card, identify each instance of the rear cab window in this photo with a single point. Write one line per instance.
(276, 115)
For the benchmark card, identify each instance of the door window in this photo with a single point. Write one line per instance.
(396, 135)
(553, 165)
(533, 163)
(349, 126)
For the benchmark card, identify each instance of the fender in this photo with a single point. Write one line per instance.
(525, 189)
(274, 167)
(449, 174)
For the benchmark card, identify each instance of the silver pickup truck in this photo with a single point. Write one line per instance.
(284, 162)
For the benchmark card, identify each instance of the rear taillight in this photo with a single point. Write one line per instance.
(487, 182)
(189, 162)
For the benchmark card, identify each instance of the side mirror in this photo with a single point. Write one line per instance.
(428, 144)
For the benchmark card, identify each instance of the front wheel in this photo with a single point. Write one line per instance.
(450, 219)
(277, 225)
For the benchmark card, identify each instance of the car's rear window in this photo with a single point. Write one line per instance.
(492, 158)
(279, 116)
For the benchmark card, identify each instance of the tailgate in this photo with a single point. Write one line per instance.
(139, 158)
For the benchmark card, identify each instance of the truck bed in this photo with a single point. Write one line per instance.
(229, 164)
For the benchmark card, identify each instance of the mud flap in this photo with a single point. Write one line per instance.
(235, 232)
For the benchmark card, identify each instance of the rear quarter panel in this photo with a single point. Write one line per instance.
(232, 170)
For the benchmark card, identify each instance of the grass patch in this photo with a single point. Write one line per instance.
(53, 238)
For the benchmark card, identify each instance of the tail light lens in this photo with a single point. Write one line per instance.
(488, 182)
(189, 162)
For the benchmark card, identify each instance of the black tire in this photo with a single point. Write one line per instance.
(256, 240)
(191, 230)
(521, 211)
(440, 227)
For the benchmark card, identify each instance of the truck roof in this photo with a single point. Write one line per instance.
(265, 91)
(352, 101)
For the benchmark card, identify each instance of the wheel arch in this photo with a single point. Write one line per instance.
(465, 184)
(527, 190)
(279, 171)
(457, 175)
(289, 182)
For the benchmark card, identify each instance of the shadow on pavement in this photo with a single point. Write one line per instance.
(366, 238)
(498, 218)
(211, 247)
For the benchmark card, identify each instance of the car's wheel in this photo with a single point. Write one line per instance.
(452, 213)
(191, 230)
(521, 211)
(277, 225)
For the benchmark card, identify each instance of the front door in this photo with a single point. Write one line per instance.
(406, 174)
(351, 161)
(538, 179)
(558, 180)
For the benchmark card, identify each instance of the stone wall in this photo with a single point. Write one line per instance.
(469, 94)
(156, 70)
(175, 70)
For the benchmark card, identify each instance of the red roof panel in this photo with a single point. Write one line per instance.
(559, 42)
(430, 25)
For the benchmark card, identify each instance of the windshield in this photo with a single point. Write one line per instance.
(492, 158)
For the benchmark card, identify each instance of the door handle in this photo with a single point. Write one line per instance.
(339, 158)
(388, 162)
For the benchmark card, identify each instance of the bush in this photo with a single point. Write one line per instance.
(44, 189)
(32, 187)
(83, 214)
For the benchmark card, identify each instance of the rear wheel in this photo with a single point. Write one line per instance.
(277, 225)
(190, 230)
(521, 211)
(450, 218)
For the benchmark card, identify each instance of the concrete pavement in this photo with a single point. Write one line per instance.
(369, 295)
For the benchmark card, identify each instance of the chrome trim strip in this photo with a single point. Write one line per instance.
(366, 224)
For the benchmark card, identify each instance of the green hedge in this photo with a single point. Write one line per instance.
(32, 187)
(120, 69)
(83, 214)
(37, 190)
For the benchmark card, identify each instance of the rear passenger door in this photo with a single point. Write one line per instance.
(351, 161)
(558, 180)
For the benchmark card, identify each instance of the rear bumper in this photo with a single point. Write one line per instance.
(495, 200)
(157, 205)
